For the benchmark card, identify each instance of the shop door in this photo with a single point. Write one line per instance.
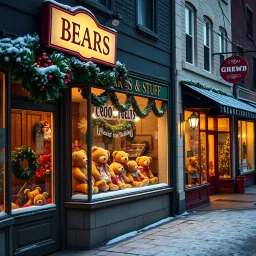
(35, 126)
(212, 163)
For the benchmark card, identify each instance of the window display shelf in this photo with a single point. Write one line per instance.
(134, 150)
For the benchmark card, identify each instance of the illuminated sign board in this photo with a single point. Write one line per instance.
(77, 32)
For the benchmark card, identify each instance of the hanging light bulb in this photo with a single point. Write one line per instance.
(193, 120)
(115, 113)
(93, 115)
(137, 119)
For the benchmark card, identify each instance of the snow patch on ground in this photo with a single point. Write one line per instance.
(134, 233)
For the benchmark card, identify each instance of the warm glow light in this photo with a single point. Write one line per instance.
(115, 113)
(244, 135)
(137, 119)
(193, 121)
(93, 115)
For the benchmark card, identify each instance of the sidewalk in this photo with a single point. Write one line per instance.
(226, 227)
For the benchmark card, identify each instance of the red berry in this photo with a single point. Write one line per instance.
(50, 77)
(67, 76)
(42, 88)
(69, 81)
(38, 63)
(44, 54)
(68, 71)
(49, 62)
(39, 59)
(46, 65)
(120, 78)
(43, 58)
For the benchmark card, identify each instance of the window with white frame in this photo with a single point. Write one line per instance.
(189, 19)
(207, 45)
(223, 44)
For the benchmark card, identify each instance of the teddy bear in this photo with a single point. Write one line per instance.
(47, 131)
(40, 199)
(144, 162)
(79, 173)
(101, 171)
(31, 195)
(138, 179)
(121, 178)
(193, 170)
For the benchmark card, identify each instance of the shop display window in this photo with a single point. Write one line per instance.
(2, 141)
(246, 146)
(32, 137)
(211, 155)
(196, 151)
(135, 149)
(224, 161)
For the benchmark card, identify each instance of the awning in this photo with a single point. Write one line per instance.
(227, 105)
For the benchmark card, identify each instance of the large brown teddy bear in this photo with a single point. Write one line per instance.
(193, 170)
(79, 173)
(138, 179)
(144, 162)
(101, 171)
(121, 178)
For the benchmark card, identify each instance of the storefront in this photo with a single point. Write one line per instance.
(225, 132)
(92, 160)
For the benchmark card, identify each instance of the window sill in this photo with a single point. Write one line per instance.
(34, 208)
(197, 187)
(197, 70)
(96, 6)
(247, 173)
(147, 32)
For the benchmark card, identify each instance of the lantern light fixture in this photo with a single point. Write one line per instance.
(193, 121)
(115, 18)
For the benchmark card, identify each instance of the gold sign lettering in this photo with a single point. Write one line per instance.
(79, 33)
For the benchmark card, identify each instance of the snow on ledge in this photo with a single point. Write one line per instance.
(123, 192)
(32, 208)
(2, 214)
(134, 233)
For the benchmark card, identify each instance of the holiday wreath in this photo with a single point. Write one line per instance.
(24, 163)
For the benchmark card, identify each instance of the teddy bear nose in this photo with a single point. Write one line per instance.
(104, 158)
(125, 158)
(40, 201)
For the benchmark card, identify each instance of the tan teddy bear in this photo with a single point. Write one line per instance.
(31, 195)
(144, 162)
(79, 173)
(101, 171)
(193, 170)
(121, 178)
(138, 179)
(40, 199)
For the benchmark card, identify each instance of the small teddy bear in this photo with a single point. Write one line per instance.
(144, 162)
(138, 179)
(40, 199)
(193, 170)
(47, 131)
(121, 178)
(31, 195)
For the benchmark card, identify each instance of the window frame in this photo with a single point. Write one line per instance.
(249, 23)
(192, 35)
(153, 33)
(222, 44)
(254, 72)
(207, 44)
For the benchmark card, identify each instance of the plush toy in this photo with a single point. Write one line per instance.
(79, 173)
(193, 170)
(101, 171)
(138, 179)
(144, 162)
(121, 178)
(47, 131)
(31, 195)
(40, 199)
(120, 157)
(14, 207)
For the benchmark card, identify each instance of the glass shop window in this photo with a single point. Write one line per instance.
(2, 141)
(246, 146)
(195, 152)
(128, 153)
(32, 147)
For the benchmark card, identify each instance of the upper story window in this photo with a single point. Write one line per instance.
(147, 14)
(223, 45)
(189, 16)
(207, 45)
(249, 22)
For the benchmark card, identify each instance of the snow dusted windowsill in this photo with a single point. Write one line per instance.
(3, 214)
(125, 192)
(33, 208)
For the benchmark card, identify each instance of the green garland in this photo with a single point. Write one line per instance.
(109, 128)
(20, 154)
(202, 86)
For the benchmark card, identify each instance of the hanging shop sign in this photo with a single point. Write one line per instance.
(145, 88)
(76, 31)
(234, 69)
(237, 112)
(107, 112)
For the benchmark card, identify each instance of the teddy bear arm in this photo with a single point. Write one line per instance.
(130, 177)
(77, 173)
(142, 176)
(126, 179)
(95, 172)
(150, 174)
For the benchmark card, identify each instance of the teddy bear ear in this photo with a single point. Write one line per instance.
(26, 191)
(114, 153)
(137, 160)
(94, 148)
(45, 194)
(74, 156)
(150, 159)
(38, 188)
(108, 153)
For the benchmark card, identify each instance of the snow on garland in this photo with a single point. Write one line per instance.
(45, 74)
(202, 86)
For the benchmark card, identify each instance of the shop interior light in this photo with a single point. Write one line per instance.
(137, 119)
(193, 121)
(115, 18)
(93, 115)
(115, 113)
